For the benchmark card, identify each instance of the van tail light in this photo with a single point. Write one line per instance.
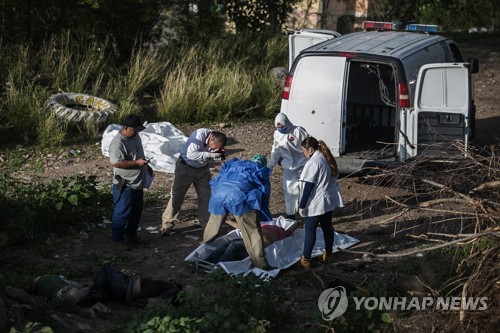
(403, 95)
(286, 89)
(347, 54)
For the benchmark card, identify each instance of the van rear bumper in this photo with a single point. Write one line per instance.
(349, 165)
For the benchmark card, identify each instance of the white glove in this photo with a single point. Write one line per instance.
(302, 212)
(214, 155)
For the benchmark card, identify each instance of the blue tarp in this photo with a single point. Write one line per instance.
(240, 187)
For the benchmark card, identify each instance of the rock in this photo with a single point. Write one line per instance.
(71, 322)
(100, 309)
(279, 75)
(19, 295)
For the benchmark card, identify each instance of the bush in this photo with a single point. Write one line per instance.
(35, 209)
(221, 303)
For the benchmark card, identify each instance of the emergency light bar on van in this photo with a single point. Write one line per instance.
(398, 25)
(422, 27)
(377, 25)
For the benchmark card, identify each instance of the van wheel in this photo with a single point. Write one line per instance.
(80, 108)
(279, 75)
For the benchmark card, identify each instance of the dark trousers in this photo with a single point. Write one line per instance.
(127, 213)
(232, 251)
(110, 283)
(310, 226)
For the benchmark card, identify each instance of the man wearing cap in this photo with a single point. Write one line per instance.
(126, 155)
(192, 168)
(242, 188)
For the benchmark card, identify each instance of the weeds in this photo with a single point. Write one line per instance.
(219, 303)
(221, 79)
(36, 209)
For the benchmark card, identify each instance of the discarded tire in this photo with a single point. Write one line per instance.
(80, 108)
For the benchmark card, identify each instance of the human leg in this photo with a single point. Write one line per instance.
(325, 221)
(235, 251)
(137, 203)
(213, 227)
(121, 212)
(310, 226)
(291, 190)
(110, 283)
(203, 191)
(252, 237)
(182, 182)
(216, 254)
(154, 288)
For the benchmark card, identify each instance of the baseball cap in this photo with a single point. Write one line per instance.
(133, 121)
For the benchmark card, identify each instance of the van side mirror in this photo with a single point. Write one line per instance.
(473, 65)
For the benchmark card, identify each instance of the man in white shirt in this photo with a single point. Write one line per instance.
(192, 169)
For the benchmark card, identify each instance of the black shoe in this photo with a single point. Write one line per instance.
(291, 217)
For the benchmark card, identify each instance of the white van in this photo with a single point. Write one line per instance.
(378, 97)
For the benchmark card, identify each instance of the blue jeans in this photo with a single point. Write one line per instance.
(232, 251)
(127, 213)
(310, 226)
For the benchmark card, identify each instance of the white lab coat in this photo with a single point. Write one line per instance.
(325, 196)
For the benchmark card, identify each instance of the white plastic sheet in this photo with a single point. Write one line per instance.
(161, 141)
(281, 254)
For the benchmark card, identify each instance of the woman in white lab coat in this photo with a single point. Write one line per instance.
(287, 152)
(319, 196)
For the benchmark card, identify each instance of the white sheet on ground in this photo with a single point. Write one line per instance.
(281, 254)
(161, 141)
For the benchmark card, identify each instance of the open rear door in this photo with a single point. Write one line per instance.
(302, 39)
(441, 107)
(316, 98)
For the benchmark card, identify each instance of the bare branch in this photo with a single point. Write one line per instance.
(415, 251)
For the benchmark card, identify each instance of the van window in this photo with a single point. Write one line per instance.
(455, 53)
(448, 93)
(431, 54)
(312, 80)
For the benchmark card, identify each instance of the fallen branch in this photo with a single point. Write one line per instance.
(458, 194)
(409, 253)
(487, 185)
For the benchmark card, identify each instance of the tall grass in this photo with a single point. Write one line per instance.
(217, 80)
(223, 80)
(143, 74)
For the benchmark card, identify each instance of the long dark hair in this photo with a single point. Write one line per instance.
(311, 142)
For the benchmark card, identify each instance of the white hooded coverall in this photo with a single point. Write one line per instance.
(288, 153)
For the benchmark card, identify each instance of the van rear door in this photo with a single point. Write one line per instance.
(316, 98)
(302, 39)
(441, 108)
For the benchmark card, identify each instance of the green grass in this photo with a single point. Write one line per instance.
(219, 80)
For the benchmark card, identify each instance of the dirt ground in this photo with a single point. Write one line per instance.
(163, 257)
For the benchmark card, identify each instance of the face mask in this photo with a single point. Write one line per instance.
(282, 130)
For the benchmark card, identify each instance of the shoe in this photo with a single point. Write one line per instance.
(291, 217)
(304, 263)
(326, 258)
(121, 246)
(166, 232)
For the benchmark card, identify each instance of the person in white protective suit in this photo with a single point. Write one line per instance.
(287, 152)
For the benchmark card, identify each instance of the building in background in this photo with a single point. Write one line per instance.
(343, 16)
